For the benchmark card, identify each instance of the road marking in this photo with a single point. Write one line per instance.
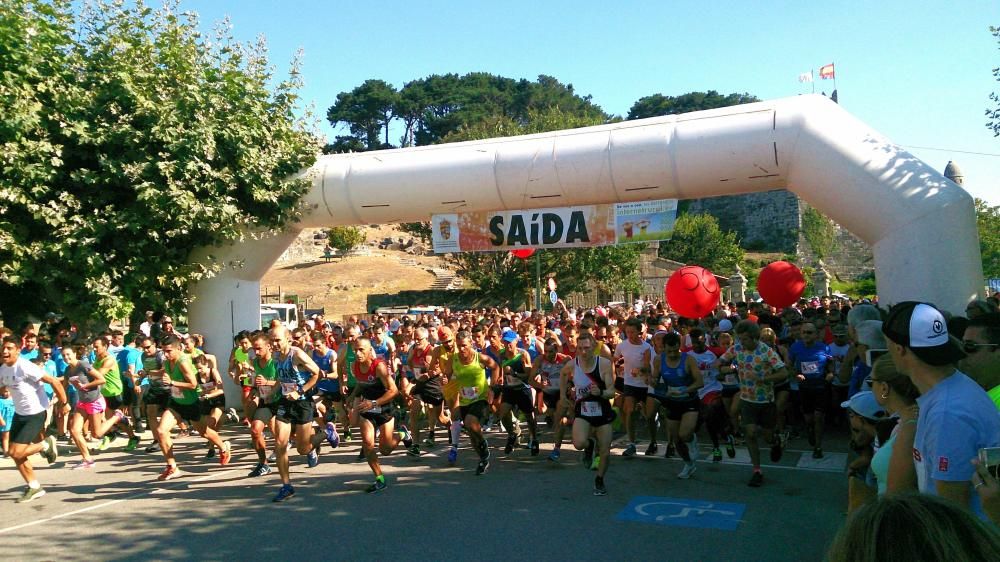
(683, 513)
(115, 502)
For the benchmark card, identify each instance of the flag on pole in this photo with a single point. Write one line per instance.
(826, 71)
(806, 76)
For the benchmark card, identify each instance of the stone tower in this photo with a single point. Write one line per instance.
(954, 173)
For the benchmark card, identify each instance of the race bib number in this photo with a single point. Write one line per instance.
(591, 409)
(678, 390)
(176, 392)
(470, 392)
(208, 386)
(810, 368)
(289, 387)
(265, 391)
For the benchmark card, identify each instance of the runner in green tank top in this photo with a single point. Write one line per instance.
(181, 379)
(468, 370)
(242, 373)
(107, 365)
(264, 395)
(346, 356)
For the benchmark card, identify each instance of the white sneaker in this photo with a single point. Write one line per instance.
(687, 471)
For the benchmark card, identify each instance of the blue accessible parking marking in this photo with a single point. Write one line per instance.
(683, 513)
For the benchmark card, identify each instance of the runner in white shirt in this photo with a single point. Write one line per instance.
(25, 381)
(632, 360)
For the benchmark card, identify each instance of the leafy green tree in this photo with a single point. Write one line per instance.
(659, 104)
(367, 110)
(819, 231)
(988, 221)
(698, 240)
(993, 114)
(345, 238)
(129, 138)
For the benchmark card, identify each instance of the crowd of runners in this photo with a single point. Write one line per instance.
(746, 376)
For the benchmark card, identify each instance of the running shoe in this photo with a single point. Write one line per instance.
(629, 451)
(376, 486)
(153, 448)
(554, 455)
(484, 464)
(533, 446)
(599, 488)
(730, 446)
(756, 480)
(226, 455)
(105, 443)
(284, 493)
(413, 451)
(716, 455)
(210, 453)
(670, 451)
(133, 442)
(818, 453)
(83, 465)
(273, 457)
(312, 459)
(232, 416)
(31, 494)
(509, 447)
(452, 455)
(169, 473)
(687, 471)
(651, 450)
(347, 435)
(407, 437)
(53, 451)
(261, 469)
(331, 435)
(588, 452)
(429, 443)
(776, 451)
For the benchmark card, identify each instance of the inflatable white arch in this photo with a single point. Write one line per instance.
(920, 225)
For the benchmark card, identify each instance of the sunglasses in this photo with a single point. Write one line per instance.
(973, 347)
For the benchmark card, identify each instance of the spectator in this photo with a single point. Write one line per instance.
(957, 418)
(914, 527)
(893, 462)
(981, 344)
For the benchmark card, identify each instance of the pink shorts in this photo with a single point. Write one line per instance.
(95, 407)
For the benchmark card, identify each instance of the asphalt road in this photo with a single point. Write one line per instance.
(524, 508)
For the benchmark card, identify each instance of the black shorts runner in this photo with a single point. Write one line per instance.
(478, 409)
(25, 429)
(189, 412)
(157, 397)
(607, 412)
(814, 398)
(379, 418)
(206, 406)
(518, 397)
(730, 391)
(619, 385)
(677, 408)
(295, 412)
(264, 413)
(114, 402)
(759, 414)
(637, 392)
(430, 391)
(551, 398)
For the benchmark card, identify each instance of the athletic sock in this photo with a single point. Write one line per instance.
(456, 432)
(380, 478)
(34, 485)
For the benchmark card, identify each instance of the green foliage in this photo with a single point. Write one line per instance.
(422, 230)
(819, 232)
(128, 139)
(698, 240)
(433, 108)
(988, 222)
(659, 104)
(345, 238)
(863, 286)
(993, 114)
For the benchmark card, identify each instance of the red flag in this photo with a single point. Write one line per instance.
(826, 71)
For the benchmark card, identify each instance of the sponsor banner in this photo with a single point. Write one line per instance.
(565, 227)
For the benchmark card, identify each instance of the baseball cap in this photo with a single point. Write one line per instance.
(509, 335)
(922, 328)
(839, 329)
(725, 325)
(865, 405)
(394, 325)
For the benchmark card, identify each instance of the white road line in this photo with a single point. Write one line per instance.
(114, 502)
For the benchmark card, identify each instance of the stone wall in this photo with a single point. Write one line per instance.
(771, 222)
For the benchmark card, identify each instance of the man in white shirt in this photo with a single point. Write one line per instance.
(25, 381)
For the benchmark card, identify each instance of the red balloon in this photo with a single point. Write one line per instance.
(781, 284)
(692, 291)
(523, 254)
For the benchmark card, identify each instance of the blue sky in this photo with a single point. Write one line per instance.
(919, 72)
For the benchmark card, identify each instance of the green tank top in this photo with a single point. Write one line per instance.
(181, 395)
(241, 356)
(112, 379)
(351, 358)
(269, 371)
(473, 385)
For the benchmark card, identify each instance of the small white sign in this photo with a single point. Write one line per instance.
(553, 297)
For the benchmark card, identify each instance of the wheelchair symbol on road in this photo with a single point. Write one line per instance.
(683, 513)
